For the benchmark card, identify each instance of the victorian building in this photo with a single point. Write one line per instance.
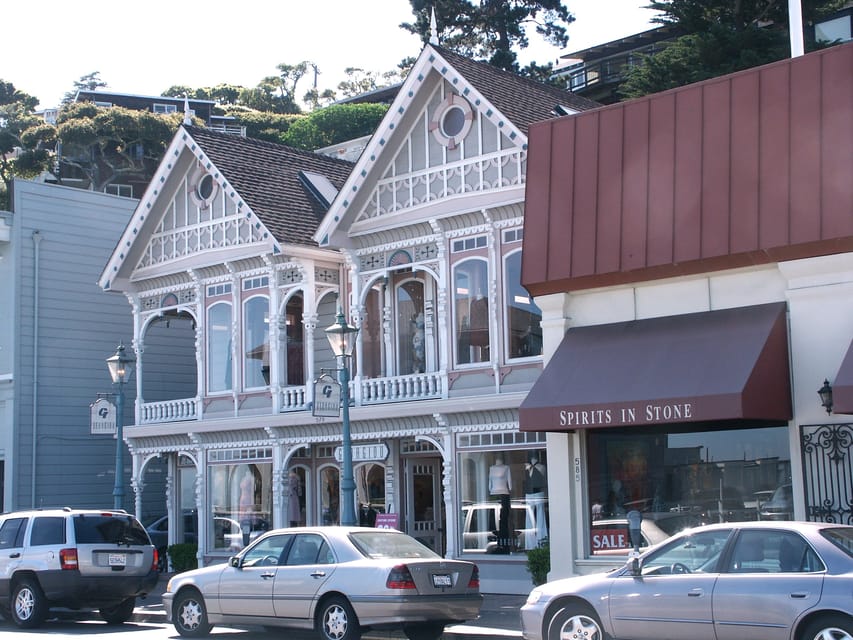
(240, 255)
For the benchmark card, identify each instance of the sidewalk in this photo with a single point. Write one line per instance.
(498, 617)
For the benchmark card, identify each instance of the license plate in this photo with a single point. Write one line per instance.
(441, 580)
(118, 560)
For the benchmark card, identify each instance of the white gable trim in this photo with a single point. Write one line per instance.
(367, 167)
(140, 227)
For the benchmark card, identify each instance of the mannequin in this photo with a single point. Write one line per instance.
(535, 487)
(500, 484)
(294, 495)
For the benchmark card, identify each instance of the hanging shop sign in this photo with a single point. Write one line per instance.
(327, 397)
(102, 417)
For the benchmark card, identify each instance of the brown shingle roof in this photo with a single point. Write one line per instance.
(266, 176)
(522, 100)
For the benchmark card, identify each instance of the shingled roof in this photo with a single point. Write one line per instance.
(266, 175)
(522, 100)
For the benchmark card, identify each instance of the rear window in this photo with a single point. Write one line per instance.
(385, 544)
(48, 531)
(841, 538)
(99, 528)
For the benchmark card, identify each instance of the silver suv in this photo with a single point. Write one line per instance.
(73, 558)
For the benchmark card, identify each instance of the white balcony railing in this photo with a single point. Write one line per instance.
(169, 411)
(293, 398)
(418, 386)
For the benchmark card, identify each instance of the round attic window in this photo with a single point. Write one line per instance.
(204, 188)
(452, 120)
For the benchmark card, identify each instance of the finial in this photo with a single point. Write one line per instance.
(188, 118)
(433, 28)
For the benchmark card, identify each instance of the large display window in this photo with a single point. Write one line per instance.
(241, 502)
(683, 478)
(504, 498)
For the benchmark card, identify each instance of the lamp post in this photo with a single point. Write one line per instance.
(120, 367)
(342, 339)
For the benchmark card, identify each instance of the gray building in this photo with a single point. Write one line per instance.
(57, 327)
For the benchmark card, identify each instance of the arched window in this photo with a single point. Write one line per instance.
(219, 347)
(294, 361)
(411, 348)
(523, 317)
(471, 311)
(256, 342)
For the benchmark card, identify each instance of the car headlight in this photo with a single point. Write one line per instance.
(169, 586)
(534, 596)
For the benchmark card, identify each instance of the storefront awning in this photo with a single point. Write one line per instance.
(717, 367)
(842, 388)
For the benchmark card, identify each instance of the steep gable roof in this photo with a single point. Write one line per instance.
(266, 175)
(522, 100)
(508, 101)
(281, 193)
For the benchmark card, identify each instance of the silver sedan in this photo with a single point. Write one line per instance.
(339, 581)
(729, 581)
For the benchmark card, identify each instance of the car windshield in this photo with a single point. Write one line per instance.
(385, 544)
(101, 528)
(841, 538)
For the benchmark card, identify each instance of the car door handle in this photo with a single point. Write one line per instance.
(267, 576)
(695, 593)
(318, 574)
(800, 595)
(15, 555)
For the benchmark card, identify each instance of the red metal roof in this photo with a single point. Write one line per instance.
(749, 168)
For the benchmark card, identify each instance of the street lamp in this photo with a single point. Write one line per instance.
(120, 367)
(342, 338)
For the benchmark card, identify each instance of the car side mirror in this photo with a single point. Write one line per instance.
(236, 562)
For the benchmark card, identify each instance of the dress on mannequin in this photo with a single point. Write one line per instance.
(294, 499)
(535, 487)
(500, 484)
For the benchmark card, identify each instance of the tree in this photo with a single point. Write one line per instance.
(26, 141)
(336, 123)
(89, 82)
(723, 36)
(491, 30)
(109, 144)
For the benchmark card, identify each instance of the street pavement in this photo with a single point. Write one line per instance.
(499, 617)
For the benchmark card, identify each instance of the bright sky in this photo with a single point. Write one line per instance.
(146, 47)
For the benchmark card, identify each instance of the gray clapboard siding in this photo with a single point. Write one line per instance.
(79, 326)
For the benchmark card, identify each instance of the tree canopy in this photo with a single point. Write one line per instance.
(492, 30)
(722, 36)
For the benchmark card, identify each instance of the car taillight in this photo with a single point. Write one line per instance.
(68, 559)
(474, 581)
(400, 578)
(155, 566)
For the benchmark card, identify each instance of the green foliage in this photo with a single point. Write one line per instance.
(491, 29)
(183, 556)
(263, 125)
(699, 56)
(722, 37)
(25, 140)
(336, 123)
(539, 562)
(89, 82)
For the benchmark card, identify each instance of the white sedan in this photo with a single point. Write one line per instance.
(339, 581)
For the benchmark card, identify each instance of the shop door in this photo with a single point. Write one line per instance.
(424, 502)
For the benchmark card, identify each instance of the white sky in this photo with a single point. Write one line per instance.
(146, 47)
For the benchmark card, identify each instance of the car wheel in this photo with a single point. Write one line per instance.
(424, 631)
(338, 621)
(831, 627)
(575, 621)
(120, 613)
(190, 615)
(29, 606)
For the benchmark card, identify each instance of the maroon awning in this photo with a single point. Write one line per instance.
(842, 388)
(716, 367)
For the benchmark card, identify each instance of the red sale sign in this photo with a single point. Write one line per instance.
(604, 539)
